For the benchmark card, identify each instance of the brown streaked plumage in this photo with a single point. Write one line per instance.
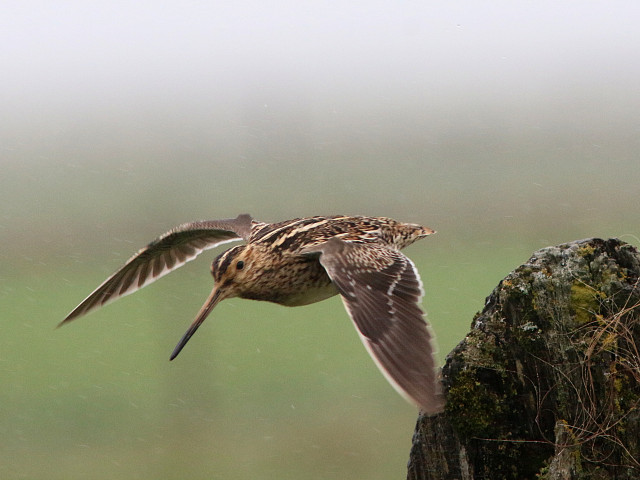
(303, 261)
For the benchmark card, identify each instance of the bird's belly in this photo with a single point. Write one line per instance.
(309, 295)
(291, 281)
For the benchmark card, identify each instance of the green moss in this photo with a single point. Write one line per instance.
(586, 250)
(544, 471)
(524, 271)
(625, 387)
(584, 302)
(471, 407)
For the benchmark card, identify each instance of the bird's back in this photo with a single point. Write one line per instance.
(293, 235)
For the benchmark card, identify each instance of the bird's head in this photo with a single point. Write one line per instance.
(231, 271)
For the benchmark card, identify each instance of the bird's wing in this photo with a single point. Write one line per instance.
(168, 252)
(381, 290)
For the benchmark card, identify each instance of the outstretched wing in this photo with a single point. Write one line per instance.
(381, 290)
(168, 252)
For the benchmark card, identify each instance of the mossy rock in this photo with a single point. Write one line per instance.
(547, 382)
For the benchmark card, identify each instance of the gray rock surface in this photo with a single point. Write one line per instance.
(546, 385)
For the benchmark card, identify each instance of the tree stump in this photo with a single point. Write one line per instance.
(546, 385)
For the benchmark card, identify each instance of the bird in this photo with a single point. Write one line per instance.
(303, 261)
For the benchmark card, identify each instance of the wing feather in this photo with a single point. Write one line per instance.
(381, 290)
(165, 254)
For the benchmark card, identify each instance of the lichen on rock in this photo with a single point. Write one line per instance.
(556, 346)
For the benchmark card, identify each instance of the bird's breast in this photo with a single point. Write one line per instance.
(291, 281)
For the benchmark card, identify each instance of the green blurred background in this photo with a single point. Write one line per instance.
(506, 126)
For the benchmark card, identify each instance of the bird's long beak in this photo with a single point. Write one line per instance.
(211, 302)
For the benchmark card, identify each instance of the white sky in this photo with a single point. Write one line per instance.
(49, 50)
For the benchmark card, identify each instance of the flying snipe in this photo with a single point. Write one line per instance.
(303, 261)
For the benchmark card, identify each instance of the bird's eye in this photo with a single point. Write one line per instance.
(240, 265)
